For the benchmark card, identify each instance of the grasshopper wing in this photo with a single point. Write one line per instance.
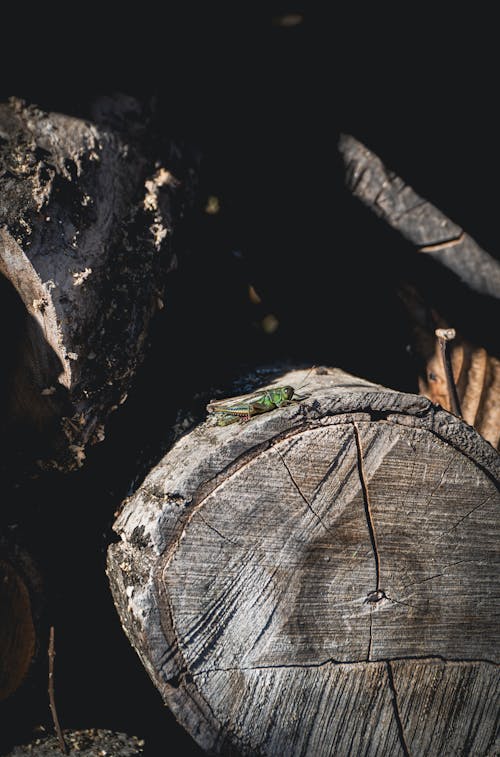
(227, 403)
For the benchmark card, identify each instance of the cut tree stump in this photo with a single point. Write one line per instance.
(86, 218)
(320, 580)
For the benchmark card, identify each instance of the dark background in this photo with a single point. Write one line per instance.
(262, 104)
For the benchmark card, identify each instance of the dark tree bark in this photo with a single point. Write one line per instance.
(320, 580)
(86, 220)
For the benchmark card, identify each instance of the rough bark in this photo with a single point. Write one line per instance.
(320, 579)
(86, 217)
(459, 288)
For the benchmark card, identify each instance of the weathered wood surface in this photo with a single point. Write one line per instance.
(463, 294)
(86, 217)
(320, 580)
(417, 219)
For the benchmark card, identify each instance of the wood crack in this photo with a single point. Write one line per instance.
(435, 575)
(369, 653)
(351, 663)
(366, 500)
(310, 507)
(445, 244)
(461, 520)
(397, 714)
(215, 530)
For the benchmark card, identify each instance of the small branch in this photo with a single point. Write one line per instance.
(52, 701)
(370, 640)
(444, 336)
(310, 507)
(416, 219)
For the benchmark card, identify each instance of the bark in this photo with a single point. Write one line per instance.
(320, 579)
(86, 219)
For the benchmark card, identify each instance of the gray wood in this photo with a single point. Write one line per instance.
(417, 219)
(320, 580)
(85, 239)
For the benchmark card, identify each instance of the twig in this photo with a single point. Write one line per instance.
(52, 701)
(417, 220)
(444, 336)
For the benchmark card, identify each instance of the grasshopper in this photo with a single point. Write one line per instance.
(242, 408)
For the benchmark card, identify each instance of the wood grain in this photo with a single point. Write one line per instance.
(322, 579)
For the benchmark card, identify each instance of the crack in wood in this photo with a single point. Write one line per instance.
(215, 530)
(397, 714)
(445, 244)
(345, 444)
(366, 500)
(351, 663)
(440, 482)
(398, 601)
(484, 502)
(310, 507)
(424, 580)
(374, 597)
(436, 575)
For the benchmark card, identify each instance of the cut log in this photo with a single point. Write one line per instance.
(320, 579)
(86, 217)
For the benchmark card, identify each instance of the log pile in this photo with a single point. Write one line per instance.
(317, 577)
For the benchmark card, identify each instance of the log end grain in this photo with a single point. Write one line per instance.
(320, 580)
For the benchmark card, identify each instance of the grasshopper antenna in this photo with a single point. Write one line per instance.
(303, 383)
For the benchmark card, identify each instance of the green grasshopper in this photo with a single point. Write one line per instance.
(242, 408)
